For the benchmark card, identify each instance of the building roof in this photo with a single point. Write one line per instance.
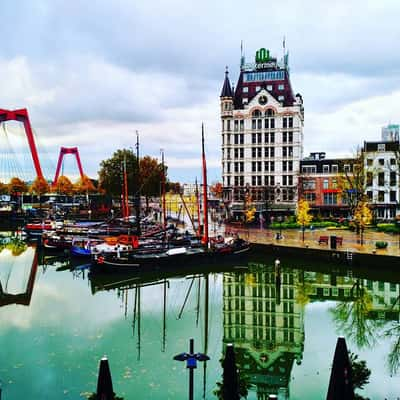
(387, 146)
(270, 79)
(226, 88)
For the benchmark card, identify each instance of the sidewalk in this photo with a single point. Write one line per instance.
(351, 241)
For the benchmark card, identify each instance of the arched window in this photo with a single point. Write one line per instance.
(270, 112)
(256, 114)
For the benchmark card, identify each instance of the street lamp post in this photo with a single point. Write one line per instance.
(191, 363)
(280, 226)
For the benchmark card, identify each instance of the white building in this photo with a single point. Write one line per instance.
(382, 168)
(390, 133)
(262, 137)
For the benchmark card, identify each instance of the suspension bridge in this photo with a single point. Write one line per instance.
(23, 154)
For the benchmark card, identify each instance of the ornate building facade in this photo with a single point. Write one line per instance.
(262, 137)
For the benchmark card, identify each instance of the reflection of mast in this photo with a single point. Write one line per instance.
(164, 315)
(206, 301)
(186, 299)
(21, 298)
(136, 318)
(198, 300)
(198, 210)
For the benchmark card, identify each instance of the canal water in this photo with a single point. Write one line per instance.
(57, 320)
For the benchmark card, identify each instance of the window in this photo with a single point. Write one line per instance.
(381, 146)
(272, 137)
(393, 179)
(245, 100)
(253, 138)
(369, 162)
(326, 184)
(290, 122)
(258, 88)
(284, 122)
(281, 98)
(310, 197)
(245, 89)
(269, 87)
(330, 198)
(346, 168)
(253, 166)
(241, 125)
(272, 166)
(236, 139)
(309, 184)
(381, 196)
(392, 161)
(334, 184)
(381, 161)
(228, 125)
(272, 151)
(392, 195)
(281, 87)
(369, 195)
(259, 151)
(325, 169)
(235, 125)
(381, 179)
(335, 168)
(308, 169)
(258, 166)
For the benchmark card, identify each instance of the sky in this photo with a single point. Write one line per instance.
(92, 73)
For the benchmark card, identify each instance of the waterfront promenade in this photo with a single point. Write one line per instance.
(351, 241)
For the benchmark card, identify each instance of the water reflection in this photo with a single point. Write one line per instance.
(263, 319)
(260, 307)
(18, 267)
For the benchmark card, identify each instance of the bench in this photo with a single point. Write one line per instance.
(323, 239)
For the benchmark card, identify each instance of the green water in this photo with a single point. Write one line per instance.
(284, 335)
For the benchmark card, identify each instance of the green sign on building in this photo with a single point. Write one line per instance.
(262, 55)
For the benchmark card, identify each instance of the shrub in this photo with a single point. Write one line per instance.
(381, 245)
(388, 228)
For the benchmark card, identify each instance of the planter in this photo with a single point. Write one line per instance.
(381, 245)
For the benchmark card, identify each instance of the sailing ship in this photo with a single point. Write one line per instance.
(217, 250)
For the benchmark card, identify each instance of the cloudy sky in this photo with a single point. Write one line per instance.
(91, 73)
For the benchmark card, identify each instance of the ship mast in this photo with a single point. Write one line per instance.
(205, 203)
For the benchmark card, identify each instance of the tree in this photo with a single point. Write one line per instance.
(150, 177)
(362, 217)
(3, 188)
(84, 185)
(303, 214)
(111, 172)
(63, 186)
(216, 190)
(39, 187)
(352, 182)
(17, 186)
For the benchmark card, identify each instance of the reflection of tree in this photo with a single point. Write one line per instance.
(393, 332)
(303, 291)
(352, 317)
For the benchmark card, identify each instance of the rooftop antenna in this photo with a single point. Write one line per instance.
(284, 50)
(242, 59)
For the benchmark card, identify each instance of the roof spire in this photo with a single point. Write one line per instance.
(226, 88)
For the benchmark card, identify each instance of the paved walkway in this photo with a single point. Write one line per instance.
(351, 241)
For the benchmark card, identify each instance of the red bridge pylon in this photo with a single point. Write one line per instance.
(63, 152)
(22, 116)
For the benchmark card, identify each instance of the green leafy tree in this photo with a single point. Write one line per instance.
(303, 214)
(150, 177)
(111, 172)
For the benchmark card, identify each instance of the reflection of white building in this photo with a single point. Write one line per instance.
(264, 322)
